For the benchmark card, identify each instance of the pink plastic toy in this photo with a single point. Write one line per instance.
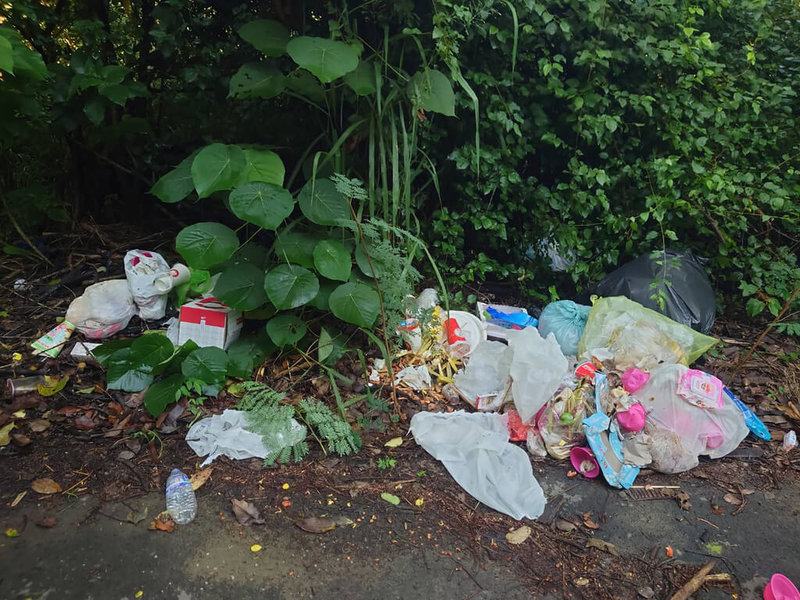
(633, 379)
(780, 588)
(632, 420)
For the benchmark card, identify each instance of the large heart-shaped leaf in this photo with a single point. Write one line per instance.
(256, 80)
(152, 349)
(217, 167)
(305, 84)
(126, 373)
(290, 286)
(355, 303)
(286, 329)
(362, 80)
(263, 204)
(6, 56)
(162, 393)
(241, 286)
(105, 351)
(320, 301)
(322, 203)
(296, 247)
(209, 365)
(177, 184)
(204, 245)
(262, 165)
(266, 35)
(431, 90)
(332, 260)
(325, 58)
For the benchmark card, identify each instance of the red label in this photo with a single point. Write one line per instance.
(194, 314)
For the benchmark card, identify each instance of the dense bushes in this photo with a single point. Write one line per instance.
(606, 128)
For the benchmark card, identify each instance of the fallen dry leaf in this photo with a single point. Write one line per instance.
(581, 582)
(731, 499)
(394, 442)
(5, 438)
(17, 500)
(316, 524)
(20, 439)
(246, 512)
(518, 535)
(716, 508)
(601, 545)
(200, 477)
(52, 385)
(162, 522)
(47, 522)
(563, 525)
(84, 423)
(587, 520)
(39, 425)
(45, 486)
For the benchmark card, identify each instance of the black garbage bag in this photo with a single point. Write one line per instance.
(687, 293)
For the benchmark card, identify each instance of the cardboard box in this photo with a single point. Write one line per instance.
(209, 322)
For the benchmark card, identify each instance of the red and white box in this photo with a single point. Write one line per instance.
(209, 322)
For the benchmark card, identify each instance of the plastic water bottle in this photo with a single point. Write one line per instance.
(181, 503)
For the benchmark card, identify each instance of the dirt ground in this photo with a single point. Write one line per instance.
(91, 539)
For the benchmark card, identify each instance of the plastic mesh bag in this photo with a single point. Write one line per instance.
(565, 320)
(636, 336)
(679, 430)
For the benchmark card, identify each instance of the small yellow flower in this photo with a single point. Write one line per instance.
(255, 548)
(16, 357)
(285, 486)
(418, 502)
(139, 594)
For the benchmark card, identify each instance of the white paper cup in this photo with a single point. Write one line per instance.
(177, 275)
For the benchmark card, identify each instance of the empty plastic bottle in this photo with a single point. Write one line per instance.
(181, 503)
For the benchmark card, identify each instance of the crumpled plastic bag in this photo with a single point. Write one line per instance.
(559, 423)
(485, 379)
(103, 309)
(227, 435)
(565, 320)
(537, 369)
(680, 431)
(475, 450)
(680, 279)
(142, 268)
(636, 336)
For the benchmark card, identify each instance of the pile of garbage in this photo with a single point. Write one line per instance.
(607, 387)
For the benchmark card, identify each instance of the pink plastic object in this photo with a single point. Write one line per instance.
(584, 462)
(781, 588)
(633, 419)
(633, 379)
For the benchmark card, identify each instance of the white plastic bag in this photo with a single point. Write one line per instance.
(227, 435)
(537, 368)
(484, 381)
(679, 430)
(142, 268)
(475, 450)
(104, 309)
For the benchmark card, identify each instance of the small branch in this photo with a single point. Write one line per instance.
(21, 233)
(694, 583)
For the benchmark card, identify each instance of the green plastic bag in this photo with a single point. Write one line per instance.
(631, 335)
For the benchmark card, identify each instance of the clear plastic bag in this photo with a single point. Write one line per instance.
(681, 431)
(485, 380)
(559, 424)
(537, 370)
(475, 450)
(636, 336)
(565, 320)
(104, 309)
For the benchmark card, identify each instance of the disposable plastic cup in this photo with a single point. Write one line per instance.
(780, 587)
(177, 275)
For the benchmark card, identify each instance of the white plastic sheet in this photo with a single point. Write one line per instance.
(475, 450)
(485, 379)
(537, 370)
(104, 309)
